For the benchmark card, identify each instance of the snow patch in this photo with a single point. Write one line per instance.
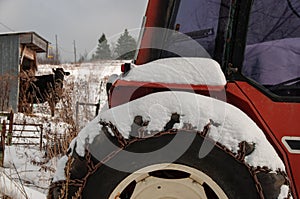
(92, 129)
(190, 71)
(15, 189)
(60, 171)
(284, 192)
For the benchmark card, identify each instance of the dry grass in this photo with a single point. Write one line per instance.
(59, 141)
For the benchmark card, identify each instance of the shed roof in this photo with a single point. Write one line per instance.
(31, 40)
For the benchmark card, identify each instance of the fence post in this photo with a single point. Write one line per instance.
(41, 138)
(77, 109)
(2, 143)
(10, 129)
(97, 108)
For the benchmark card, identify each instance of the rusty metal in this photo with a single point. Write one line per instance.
(10, 128)
(85, 104)
(12, 131)
(241, 152)
(122, 141)
(2, 144)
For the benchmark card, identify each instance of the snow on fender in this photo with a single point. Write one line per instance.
(197, 110)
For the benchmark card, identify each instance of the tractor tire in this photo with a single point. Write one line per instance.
(217, 175)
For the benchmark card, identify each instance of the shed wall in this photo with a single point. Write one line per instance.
(9, 71)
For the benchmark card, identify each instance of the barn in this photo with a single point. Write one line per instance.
(18, 61)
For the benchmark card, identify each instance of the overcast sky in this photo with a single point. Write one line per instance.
(81, 20)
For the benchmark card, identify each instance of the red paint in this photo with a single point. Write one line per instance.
(155, 14)
(276, 119)
(125, 91)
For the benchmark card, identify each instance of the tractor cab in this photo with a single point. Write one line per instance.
(254, 40)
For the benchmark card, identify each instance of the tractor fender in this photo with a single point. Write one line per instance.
(218, 122)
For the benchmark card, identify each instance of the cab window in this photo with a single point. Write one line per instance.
(272, 53)
(198, 23)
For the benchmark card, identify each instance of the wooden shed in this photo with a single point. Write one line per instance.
(18, 61)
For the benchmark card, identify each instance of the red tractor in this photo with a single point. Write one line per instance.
(209, 108)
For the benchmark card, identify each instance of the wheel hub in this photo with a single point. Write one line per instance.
(168, 181)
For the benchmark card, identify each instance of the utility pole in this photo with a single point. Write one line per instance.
(56, 50)
(74, 52)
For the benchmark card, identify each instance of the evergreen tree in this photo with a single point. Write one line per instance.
(126, 46)
(103, 50)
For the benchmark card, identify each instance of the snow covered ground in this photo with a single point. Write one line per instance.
(27, 171)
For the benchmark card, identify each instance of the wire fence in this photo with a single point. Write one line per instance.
(19, 134)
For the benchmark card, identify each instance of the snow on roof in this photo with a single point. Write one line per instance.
(234, 125)
(179, 70)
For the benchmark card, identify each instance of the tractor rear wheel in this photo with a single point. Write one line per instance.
(215, 176)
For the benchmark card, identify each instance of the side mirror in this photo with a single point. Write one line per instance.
(125, 67)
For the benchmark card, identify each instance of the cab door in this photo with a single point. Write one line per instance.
(262, 64)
